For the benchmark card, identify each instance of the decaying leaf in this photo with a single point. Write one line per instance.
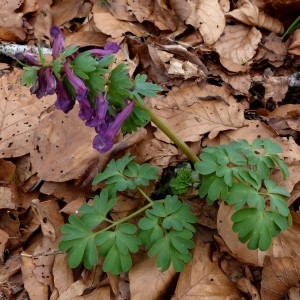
(249, 14)
(208, 17)
(20, 113)
(237, 46)
(193, 111)
(203, 279)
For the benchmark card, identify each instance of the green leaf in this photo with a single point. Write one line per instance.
(84, 63)
(173, 248)
(29, 76)
(183, 180)
(113, 174)
(138, 118)
(240, 194)
(119, 84)
(70, 50)
(141, 87)
(141, 174)
(283, 167)
(258, 227)
(213, 188)
(93, 215)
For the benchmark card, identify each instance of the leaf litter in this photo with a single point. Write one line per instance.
(225, 74)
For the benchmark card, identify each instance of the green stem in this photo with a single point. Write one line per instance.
(171, 134)
(144, 194)
(126, 218)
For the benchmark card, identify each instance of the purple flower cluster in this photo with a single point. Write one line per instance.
(95, 113)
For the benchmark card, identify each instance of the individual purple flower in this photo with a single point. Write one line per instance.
(85, 110)
(98, 117)
(109, 48)
(104, 140)
(64, 101)
(45, 84)
(58, 41)
(78, 85)
(30, 57)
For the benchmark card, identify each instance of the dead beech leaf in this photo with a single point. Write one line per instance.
(62, 275)
(35, 289)
(237, 46)
(208, 17)
(148, 282)
(276, 87)
(121, 10)
(294, 46)
(74, 291)
(8, 16)
(109, 25)
(3, 240)
(64, 11)
(19, 115)
(249, 14)
(202, 278)
(7, 171)
(278, 276)
(63, 147)
(156, 12)
(190, 115)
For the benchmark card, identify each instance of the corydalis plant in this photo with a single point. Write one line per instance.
(105, 96)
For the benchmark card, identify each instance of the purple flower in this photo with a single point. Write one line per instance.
(85, 109)
(58, 41)
(109, 48)
(64, 101)
(101, 106)
(104, 140)
(45, 83)
(31, 58)
(78, 85)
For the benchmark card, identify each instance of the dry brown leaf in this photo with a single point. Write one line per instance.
(43, 23)
(7, 171)
(276, 87)
(152, 284)
(237, 46)
(294, 46)
(8, 15)
(202, 278)
(273, 50)
(62, 274)
(109, 25)
(156, 12)
(191, 112)
(121, 10)
(207, 16)
(65, 148)
(64, 11)
(85, 38)
(35, 289)
(19, 115)
(249, 14)
(278, 276)
(3, 240)
(74, 291)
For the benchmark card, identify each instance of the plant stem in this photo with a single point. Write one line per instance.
(144, 194)
(126, 218)
(171, 134)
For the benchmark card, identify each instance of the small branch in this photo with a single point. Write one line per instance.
(12, 49)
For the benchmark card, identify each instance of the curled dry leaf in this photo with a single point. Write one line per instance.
(249, 14)
(278, 276)
(109, 25)
(237, 46)
(193, 111)
(20, 113)
(61, 150)
(151, 284)
(294, 47)
(156, 12)
(207, 16)
(203, 278)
